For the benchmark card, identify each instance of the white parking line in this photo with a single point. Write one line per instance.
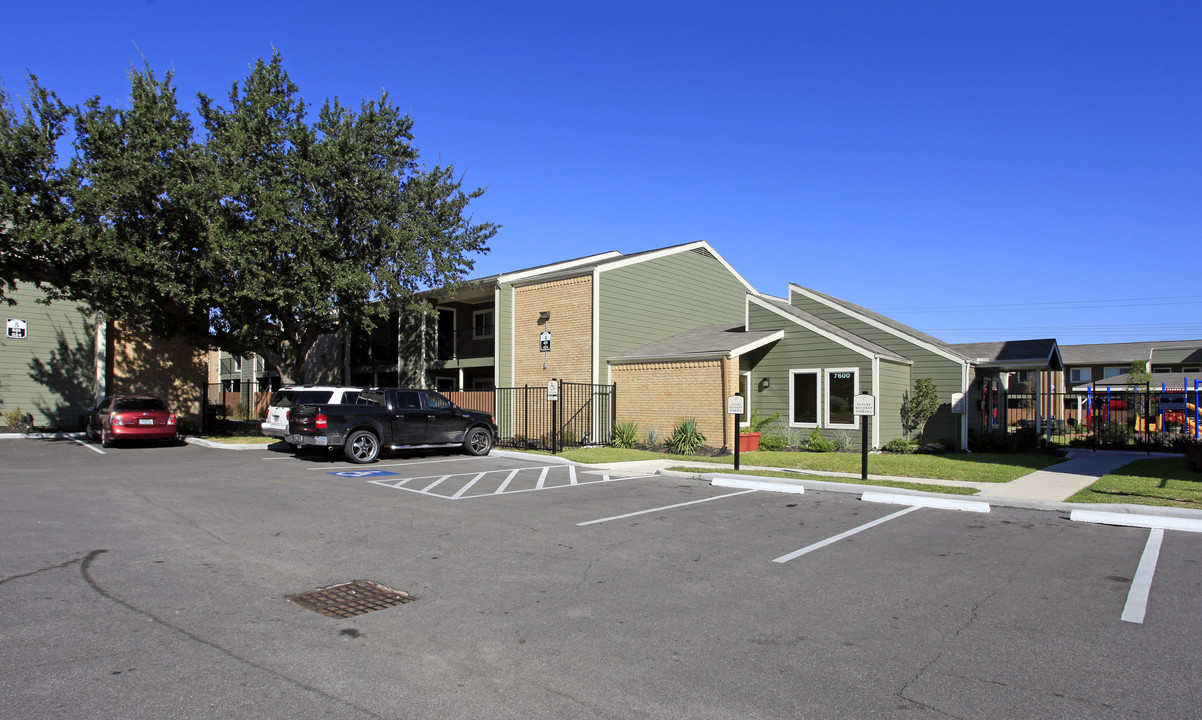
(89, 446)
(810, 548)
(1141, 585)
(459, 486)
(665, 507)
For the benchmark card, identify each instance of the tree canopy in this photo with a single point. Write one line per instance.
(258, 231)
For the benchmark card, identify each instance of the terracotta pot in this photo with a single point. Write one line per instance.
(749, 442)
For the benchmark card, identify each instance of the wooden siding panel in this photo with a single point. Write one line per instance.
(659, 298)
(946, 373)
(51, 373)
(799, 349)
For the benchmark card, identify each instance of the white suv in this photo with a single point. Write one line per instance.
(286, 397)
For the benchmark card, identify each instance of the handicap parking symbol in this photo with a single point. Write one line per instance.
(362, 473)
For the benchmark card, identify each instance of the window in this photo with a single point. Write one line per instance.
(803, 398)
(482, 324)
(1162, 371)
(237, 364)
(1080, 375)
(1191, 370)
(1112, 372)
(841, 384)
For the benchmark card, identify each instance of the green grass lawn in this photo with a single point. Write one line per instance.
(979, 467)
(1155, 481)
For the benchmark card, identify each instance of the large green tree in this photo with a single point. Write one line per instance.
(33, 190)
(140, 204)
(261, 235)
(325, 226)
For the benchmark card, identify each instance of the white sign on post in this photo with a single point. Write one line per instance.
(863, 405)
(736, 405)
(553, 390)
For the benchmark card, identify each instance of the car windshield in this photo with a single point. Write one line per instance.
(288, 398)
(139, 404)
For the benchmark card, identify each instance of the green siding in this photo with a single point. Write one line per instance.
(799, 349)
(52, 372)
(894, 381)
(946, 373)
(661, 297)
(504, 331)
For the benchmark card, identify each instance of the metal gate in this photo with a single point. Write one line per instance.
(583, 415)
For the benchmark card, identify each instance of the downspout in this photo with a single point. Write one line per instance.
(876, 393)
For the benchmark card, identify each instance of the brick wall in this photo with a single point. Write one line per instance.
(169, 369)
(660, 394)
(570, 302)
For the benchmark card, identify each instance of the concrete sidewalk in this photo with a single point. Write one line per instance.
(1044, 489)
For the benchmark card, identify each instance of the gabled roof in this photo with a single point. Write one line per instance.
(711, 341)
(886, 323)
(1120, 353)
(480, 289)
(1017, 354)
(822, 327)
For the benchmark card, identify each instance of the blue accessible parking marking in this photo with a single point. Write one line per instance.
(490, 483)
(361, 473)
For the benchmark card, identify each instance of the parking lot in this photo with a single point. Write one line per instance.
(145, 581)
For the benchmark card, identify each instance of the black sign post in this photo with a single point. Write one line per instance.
(735, 405)
(864, 407)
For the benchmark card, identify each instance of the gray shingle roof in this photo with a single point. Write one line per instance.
(886, 321)
(848, 337)
(1118, 353)
(1032, 354)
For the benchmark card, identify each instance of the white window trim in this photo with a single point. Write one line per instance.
(817, 373)
(1088, 374)
(490, 326)
(855, 375)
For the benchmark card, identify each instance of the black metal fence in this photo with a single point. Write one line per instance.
(582, 415)
(1105, 416)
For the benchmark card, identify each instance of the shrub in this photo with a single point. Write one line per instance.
(13, 418)
(1113, 433)
(1193, 457)
(567, 437)
(652, 437)
(817, 443)
(686, 438)
(1003, 442)
(899, 445)
(842, 440)
(772, 441)
(756, 424)
(626, 434)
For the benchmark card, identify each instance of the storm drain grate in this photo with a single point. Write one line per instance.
(349, 599)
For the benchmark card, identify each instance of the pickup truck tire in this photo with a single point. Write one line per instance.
(477, 441)
(362, 446)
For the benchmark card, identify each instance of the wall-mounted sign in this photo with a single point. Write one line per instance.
(544, 341)
(959, 407)
(17, 329)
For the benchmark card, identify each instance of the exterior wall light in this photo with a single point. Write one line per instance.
(765, 384)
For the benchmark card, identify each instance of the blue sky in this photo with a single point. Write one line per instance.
(979, 170)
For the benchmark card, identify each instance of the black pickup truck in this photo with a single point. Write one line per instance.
(389, 418)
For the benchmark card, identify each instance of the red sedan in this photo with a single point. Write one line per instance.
(131, 417)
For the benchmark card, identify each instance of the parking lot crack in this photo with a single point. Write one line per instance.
(48, 568)
(85, 569)
(973, 614)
